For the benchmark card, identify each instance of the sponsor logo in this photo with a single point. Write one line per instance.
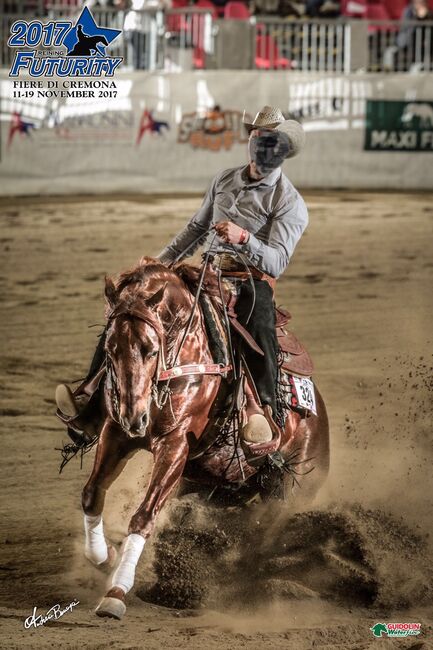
(396, 629)
(82, 54)
(149, 124)
(214, 130)
(399, 126)
(18, 125)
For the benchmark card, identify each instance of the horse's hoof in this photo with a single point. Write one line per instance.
(111, 608)
(112, 605)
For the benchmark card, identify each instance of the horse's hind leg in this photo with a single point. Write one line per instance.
(112, 454)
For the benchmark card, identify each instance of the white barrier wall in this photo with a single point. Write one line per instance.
(161, 132)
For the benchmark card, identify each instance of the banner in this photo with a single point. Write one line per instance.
(399, 126)
(163, 132)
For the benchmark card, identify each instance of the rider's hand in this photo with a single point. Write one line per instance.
(231, 233)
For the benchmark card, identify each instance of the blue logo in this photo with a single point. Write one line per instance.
(86, 38)
(85, 44)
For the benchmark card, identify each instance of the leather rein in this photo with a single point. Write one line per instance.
(163, 374)
(160, 394)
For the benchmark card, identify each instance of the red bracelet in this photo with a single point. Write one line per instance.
(244, 237)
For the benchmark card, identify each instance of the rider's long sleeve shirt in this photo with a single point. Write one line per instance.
(271, 210)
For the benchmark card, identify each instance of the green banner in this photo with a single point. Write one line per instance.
(399, 126)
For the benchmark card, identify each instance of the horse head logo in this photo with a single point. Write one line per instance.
(378, 629)
(86, 38)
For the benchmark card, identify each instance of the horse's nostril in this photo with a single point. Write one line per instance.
(140, 424)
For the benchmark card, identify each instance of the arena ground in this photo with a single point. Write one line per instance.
(360, 291)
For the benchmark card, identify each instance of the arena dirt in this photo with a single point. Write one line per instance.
(295, 576)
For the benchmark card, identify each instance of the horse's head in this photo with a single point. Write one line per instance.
(133, 345)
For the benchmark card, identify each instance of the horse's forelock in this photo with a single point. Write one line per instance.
(147, 269)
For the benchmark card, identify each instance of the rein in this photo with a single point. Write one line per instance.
(162, 395)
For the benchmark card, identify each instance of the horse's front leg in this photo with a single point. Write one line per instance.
(111, 457)
(170, 453)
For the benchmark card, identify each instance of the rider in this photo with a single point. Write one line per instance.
(257, 212)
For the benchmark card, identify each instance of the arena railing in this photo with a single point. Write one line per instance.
(314, 45)
(189, 38)
(400, 47)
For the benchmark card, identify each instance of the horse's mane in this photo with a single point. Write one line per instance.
(146, 269)
(130, 285)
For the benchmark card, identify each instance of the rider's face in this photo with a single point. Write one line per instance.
(255, 133)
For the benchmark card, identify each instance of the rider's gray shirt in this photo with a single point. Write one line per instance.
(271, 209)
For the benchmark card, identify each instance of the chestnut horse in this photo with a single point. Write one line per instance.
(149, 309)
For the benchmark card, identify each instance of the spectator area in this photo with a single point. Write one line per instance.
(301, 35)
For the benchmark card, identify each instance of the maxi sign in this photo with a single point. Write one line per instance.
(399, 126)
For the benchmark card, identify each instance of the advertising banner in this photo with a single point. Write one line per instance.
(399, 126)
(75, 119)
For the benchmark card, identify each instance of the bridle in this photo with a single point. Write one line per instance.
(160, 389)
(161, 394)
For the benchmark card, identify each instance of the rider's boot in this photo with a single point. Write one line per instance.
(257, 428)
(77, 409)
(69, 404)
(261, 435)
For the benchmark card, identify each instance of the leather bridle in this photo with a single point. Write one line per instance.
(164, 375)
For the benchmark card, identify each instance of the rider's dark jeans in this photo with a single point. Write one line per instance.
(98, 357)
(261, 326)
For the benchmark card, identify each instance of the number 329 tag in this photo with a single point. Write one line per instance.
(305, 393)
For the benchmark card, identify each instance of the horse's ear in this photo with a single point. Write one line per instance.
(154, 300)
(110, 292)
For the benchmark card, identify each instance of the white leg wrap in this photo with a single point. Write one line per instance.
(124, 575)
(95, 548)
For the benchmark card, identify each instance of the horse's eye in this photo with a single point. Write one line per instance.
(153, 354)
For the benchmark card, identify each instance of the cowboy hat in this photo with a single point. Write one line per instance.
(268, 118)
(272, 118)
(296, 135)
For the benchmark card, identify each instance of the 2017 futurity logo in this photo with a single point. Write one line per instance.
(85, 44)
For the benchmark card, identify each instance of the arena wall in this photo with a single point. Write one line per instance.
(160, 132)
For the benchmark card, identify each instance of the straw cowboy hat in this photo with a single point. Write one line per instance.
(272, 118)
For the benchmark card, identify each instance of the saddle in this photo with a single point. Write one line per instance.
(295, 357)
(294, 360)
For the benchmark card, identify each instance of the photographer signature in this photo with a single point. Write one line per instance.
(53, 613)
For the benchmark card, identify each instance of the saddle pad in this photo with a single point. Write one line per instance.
(296, 359)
